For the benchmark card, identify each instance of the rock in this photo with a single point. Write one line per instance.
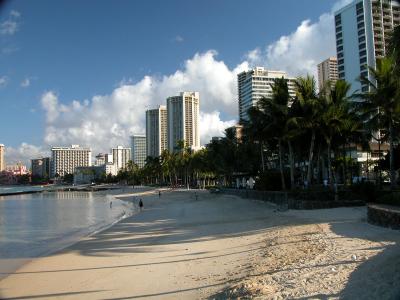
(354, 257)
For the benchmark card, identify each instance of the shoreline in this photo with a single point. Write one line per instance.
(220, 246)
(15, 264)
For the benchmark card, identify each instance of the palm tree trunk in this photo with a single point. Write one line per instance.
(262, 157)
(392, 171)
(310, 157)
(281, 165)
(292, 185)
(330, 164)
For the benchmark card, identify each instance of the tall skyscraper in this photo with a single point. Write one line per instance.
(64, 160)
(362, 31)
(327, 71)
(156, 131)
(255, 84)
(183, 120)
(41, 167)
(121, 156)
(2, 163)
(138, 143)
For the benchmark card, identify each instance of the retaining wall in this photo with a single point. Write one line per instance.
(384, 215)
(284, 200)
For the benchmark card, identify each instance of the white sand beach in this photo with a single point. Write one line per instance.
(220, 246)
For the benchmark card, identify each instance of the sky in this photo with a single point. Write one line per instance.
(84, 72)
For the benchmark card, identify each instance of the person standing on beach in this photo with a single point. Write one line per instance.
(140, 204)
(159, 194)
(110, 204)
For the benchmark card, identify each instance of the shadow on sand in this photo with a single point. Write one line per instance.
(199, 220)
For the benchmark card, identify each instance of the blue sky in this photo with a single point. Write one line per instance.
(76, 50)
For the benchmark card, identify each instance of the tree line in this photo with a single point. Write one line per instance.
(301, 140)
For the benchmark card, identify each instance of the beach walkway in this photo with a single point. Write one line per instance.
(220, 246)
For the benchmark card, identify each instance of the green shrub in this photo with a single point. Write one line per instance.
(390, 198)
(271, 181)
(366, 191)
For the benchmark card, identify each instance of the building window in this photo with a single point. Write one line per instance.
(363, 53)
(361, 39)
(339, 35)
(339, 48)
(340, 55)
(341, 68)
(360, 25)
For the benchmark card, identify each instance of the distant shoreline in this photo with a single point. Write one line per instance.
(54, 188)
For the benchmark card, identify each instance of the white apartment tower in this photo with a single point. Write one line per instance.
(362, 32)
(255, 84)
(327, 72)
(139, 155)
(156, 131)
(121, 155)
(2, 163)
(183, 120)
(64, 160)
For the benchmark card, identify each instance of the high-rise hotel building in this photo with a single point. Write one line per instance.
(363, 28)
(2, 163)
(327, 72)
(121, 155)
(64, 160)
(156, 131)
(139, 154)
(183, 120)
(255, 84)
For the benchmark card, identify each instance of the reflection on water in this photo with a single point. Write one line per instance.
(35, 224)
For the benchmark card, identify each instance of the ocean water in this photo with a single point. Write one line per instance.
(33, 225)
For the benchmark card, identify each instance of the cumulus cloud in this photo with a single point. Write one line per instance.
(11, 25)
(212, 125)
(340, 4)
(299, 52)
(107, 120)
(25, 83)
(178, 39)
(24, 153)
(3, 81)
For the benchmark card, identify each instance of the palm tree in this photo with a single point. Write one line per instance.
(310, 118)
(380, 108)
(334, 116)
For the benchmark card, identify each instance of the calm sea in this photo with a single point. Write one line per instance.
(32, 225)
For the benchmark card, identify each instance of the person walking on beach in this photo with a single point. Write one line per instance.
(140, 204)
(110, 204)
(159, 194)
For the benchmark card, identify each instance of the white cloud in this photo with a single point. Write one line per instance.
(299, 52)
(339, 4)
(178, 39)
(15, 14)
(24, 153)
(212, 125)
(25, 83)
(3, 81)
(108, 120)
(10, 26)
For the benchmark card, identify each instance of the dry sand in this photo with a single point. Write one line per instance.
(221, 247)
